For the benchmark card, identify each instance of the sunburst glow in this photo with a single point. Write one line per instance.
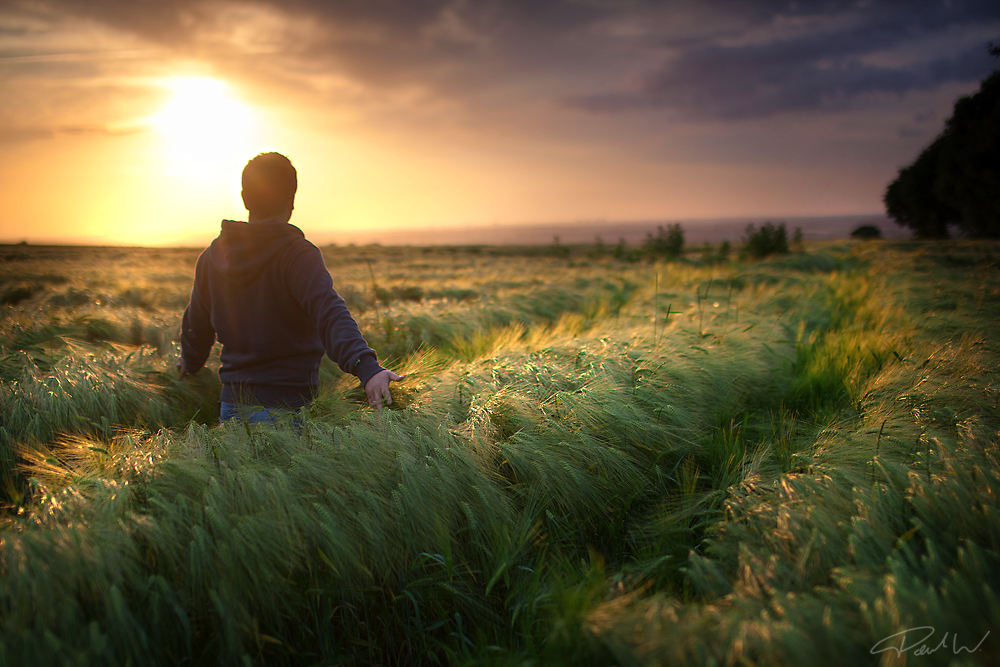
(205, 129)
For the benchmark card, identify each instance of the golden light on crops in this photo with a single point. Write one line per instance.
(205, 129)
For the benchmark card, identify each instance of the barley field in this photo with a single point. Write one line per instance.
(596, 458)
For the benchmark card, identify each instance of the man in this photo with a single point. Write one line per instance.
(264, 291)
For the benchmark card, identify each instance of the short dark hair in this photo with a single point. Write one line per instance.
(269, 184)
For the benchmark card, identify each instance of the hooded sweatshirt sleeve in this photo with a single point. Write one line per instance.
(312, 287)
(197, 332)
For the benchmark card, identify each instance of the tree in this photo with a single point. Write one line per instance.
(955, 180)
(910, 199)
(770, 239)
(968, 178)
(798, 240)
(668, 242)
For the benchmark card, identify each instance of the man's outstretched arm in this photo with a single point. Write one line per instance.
(313, 288)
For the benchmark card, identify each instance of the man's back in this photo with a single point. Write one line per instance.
(264, 291)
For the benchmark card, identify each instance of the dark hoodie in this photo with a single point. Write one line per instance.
(264, 290)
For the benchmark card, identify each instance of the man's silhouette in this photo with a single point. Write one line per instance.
(263, 290)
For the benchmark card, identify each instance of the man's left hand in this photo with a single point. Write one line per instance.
(377, 388)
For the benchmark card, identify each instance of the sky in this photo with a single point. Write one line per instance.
(128, 121)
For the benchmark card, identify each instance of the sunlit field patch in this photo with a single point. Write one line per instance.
(592, 460)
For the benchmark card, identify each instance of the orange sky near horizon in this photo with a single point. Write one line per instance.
(171, 183)
(114, 133)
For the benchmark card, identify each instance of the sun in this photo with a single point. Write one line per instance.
(205, 130)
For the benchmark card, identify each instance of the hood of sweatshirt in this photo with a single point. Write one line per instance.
(242, 250)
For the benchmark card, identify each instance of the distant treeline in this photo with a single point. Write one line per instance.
(668, 243)
(956, 180)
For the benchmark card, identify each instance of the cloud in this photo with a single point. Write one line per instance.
(14, 134)
(755, 82)
(721, 59)
(828, 57)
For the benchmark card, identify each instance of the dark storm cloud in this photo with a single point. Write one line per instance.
(451, 47)
(757, 81)
(828, 63)
(733, 59)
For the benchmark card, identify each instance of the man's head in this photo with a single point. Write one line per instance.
(269, 184)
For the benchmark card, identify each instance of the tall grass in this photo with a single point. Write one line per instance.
(788, 468)
(822, 565)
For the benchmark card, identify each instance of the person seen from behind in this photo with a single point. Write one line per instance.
(264, 292)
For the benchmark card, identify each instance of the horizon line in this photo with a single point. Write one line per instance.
(370, 235)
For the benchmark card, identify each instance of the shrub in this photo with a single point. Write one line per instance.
(72, 298)
(621, 252)
(557, 249)
(770, 239)
(16, 295)
(399, 293)
(866, 232)
(600, 250)
(455, 294)
(720, 256)
(668, 242)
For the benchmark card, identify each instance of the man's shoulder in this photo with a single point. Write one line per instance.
(300, 246)
(302, 257)
(204, 257)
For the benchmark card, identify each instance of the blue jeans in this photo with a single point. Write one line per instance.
(259, 415)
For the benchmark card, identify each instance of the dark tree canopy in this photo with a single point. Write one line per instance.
(911, 198)
(955, 180)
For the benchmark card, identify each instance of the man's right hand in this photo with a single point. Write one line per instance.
(182, 371)
(377, 388)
